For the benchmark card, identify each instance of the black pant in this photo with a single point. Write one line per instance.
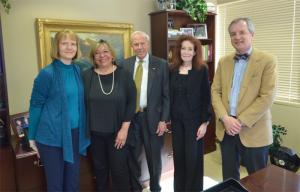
(153, 145)
(107, 159)
(188, 155)
(233, 152)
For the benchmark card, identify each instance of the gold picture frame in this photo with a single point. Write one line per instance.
(117, 34)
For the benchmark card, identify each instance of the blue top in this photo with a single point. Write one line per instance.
(52, 113)
(71, 86)
(239, 71)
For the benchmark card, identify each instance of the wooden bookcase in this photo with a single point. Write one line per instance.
(162, 47)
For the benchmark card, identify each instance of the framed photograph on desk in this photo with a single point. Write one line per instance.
(19, 123)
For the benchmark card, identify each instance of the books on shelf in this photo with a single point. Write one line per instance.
(207, 53)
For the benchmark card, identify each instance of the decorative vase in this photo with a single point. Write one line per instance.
(161, 4)
(172, 4)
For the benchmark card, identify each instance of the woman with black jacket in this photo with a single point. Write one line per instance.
(190, 112)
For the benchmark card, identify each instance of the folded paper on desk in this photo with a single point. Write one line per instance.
(229, 185)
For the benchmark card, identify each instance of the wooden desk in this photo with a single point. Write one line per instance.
(272, 178)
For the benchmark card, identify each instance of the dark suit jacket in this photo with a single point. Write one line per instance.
(158, 100)
(198, 92)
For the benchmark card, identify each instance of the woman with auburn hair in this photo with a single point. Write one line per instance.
(190, 112)
(57, 130)
(110, 97)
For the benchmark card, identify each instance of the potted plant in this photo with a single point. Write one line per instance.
(6, 5)
(278, 132)
(196, 9)
(282, 156)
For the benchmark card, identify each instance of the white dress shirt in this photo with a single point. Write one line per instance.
(144, 85)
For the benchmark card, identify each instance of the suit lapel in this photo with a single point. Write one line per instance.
(131, 65)
(191, 78)
(151, 73)
(230, 69)
(251, 67)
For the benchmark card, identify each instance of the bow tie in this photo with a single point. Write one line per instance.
(241, 56)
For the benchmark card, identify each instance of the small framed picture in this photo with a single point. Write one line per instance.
(187, 31)
(200, 30)
(170, 23)
(19, 123)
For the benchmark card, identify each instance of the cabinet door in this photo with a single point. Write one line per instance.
(30, 174)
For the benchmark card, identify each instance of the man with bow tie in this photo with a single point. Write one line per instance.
(243, 91)
(151, 77)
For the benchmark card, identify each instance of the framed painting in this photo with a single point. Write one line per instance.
(89, 32)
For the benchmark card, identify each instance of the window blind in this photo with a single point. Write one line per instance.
(277, 31)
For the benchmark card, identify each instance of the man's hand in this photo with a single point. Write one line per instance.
(161, 128)
(232, 125)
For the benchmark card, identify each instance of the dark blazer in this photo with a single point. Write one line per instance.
(198, 92)
(158, 100)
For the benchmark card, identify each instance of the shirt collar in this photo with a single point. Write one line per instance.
(145, 59)
(248, 52)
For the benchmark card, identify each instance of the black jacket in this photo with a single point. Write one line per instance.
(198, 92)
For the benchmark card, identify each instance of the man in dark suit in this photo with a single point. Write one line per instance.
(151, 76)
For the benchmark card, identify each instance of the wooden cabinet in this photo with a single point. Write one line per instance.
(30, 175)
(29, 171)
(162, 45)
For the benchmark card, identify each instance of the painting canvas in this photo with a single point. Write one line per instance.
(117, 34)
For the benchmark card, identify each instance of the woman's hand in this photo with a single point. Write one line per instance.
(201, 130)
(33, 146)
(122, 136)
(161, 128)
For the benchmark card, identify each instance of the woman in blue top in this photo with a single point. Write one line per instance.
(57, 115)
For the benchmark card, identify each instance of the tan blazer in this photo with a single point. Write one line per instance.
(256, 96)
